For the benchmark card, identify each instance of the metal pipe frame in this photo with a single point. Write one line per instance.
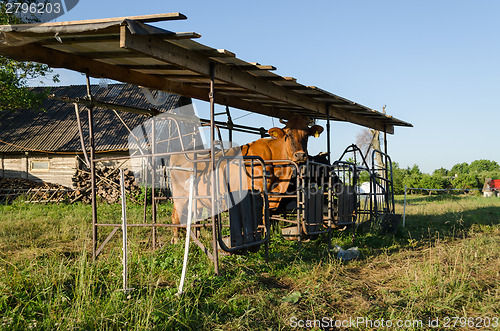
(211, 96)
(313, 170)
(248, 161)
(92, 170)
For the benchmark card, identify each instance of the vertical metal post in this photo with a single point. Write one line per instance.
(92, 170)
(230, 126)
(387, 198)
(212, 166)
(188, 235)
(385, 151)
(153, 180)
(328, 147)
(404, 209)
(124, 232)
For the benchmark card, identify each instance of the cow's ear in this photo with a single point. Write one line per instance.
(276, 132)
(315, 130)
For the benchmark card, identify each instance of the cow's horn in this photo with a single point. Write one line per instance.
(282, 121)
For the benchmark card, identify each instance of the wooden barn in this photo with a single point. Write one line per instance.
(44, 144)
(491, 187)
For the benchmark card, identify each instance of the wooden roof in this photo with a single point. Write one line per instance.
(130, 50)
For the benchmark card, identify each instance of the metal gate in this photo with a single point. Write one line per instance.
(242, 203)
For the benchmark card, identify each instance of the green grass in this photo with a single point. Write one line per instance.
(445, 262)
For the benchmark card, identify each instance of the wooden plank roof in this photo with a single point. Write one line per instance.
(132, 51)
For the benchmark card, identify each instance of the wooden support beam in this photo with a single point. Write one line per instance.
(139, 28)
(98, 69)
(142, 18)
(217, 53)
(71, 40)
(339, 113)
(150, 66)
(109, 55)
(194, 61)
(283, 100)
(256, 65)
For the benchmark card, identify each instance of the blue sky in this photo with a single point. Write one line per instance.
(435, 64)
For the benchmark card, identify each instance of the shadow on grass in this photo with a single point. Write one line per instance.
(418, 199)
(426, 229)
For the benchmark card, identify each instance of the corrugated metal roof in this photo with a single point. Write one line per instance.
(53, 127)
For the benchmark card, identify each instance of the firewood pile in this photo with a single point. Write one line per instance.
(32, 191)
(23, 183)
(107, 184)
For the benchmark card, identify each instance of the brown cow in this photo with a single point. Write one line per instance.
(288, 143)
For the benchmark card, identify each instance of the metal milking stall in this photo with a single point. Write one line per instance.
(131, 50)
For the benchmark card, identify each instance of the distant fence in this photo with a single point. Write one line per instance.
(431, 190)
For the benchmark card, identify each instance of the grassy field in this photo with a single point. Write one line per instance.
(444, 265)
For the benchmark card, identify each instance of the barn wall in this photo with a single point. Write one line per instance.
(60, 170)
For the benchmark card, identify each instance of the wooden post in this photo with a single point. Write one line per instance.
(27, 165)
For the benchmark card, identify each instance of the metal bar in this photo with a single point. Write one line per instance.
(153, 180)
(108, 105)
(328, 147)
(108, 238)
(92, 171)
(124, 233)
(404, 209)
(202, 247)
(188, 234)
(199, 225)
(212, 165)
(80, 131)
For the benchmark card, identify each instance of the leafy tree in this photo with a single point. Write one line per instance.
(467, 181)
(434, 182)
(479, 166)
(415, 170)
(14, 75)
(440, 172)
(459, 168)
(398, 176)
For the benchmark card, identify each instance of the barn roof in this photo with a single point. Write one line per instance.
(128, 49)
(53, 127)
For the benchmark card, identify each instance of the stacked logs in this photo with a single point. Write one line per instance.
(32, 191)
(24, 184)
(107, 184)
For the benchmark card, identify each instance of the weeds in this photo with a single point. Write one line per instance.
(445, 262)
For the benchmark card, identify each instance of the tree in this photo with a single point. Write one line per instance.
(364, 141)
(434, 182)
(368, 140)
(398, 176)
(440, 172)
(14, 75)
(459, 168)
(479, 166)
(467, 181)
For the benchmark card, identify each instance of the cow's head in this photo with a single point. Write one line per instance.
(294, 137)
